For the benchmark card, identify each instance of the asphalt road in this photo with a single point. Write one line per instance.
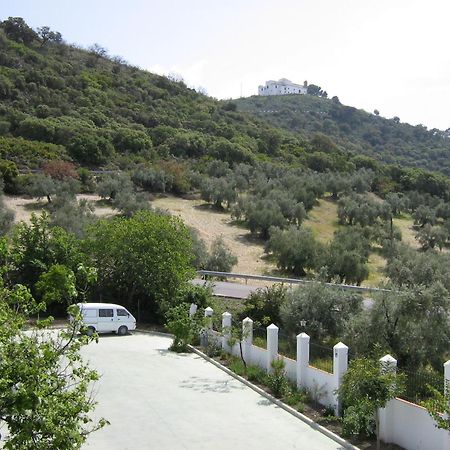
(238, 290)
(227, 289)
(156, 399)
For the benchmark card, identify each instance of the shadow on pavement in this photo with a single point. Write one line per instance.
(210, 385)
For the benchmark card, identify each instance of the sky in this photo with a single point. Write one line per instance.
(389, 55)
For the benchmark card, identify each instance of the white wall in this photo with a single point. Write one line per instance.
(290, 366)
(411, 427)
(258, 357)
(321, 385)
(278, 88)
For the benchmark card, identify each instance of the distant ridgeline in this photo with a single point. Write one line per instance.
(387, 140)
(61, 102)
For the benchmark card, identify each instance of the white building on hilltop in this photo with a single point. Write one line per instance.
(282, 87)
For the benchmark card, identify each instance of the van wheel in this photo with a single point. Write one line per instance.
(122, 331)
(90, 331)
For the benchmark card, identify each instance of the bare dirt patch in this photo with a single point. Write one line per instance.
(211, 223)
(23, 207)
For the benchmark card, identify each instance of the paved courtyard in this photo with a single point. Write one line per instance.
(156, 399)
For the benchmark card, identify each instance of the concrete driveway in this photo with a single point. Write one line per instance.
(156, 399)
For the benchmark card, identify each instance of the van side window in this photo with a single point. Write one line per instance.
(105, 313)
(122, 313)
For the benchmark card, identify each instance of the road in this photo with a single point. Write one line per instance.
(156, 399)
(237, 290)
(227, 289)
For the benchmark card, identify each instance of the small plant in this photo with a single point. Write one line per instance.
(238, 367)
(277, 379)
(236, 335)
(184, 327)
(438, 406)
(213, 346)
(295, 398)
(256, 375)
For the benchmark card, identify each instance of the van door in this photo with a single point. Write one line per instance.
(106, 320)
(123, 318)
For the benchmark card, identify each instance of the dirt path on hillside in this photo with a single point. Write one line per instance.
(211, 223)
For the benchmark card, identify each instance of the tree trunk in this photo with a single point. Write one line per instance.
(242, 356)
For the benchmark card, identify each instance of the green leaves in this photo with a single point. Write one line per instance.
(142, 260)
(44, 383)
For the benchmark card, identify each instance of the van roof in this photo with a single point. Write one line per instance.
(99, 305)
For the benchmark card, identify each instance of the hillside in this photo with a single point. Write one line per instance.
(62, 102)
(387, 140)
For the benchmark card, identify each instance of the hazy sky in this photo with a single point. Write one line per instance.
(392, 55)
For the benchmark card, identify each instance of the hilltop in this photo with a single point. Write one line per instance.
(386, 140)
(59, 101)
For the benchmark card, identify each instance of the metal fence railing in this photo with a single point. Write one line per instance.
(321, 357)
(260, 337)
(417, 384)
(287, 345)
(291, 281)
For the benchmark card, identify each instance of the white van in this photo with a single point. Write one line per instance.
(106, 318)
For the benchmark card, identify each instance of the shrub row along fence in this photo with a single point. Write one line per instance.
(320, 370)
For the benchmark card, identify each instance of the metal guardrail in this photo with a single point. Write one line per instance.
(282, 280)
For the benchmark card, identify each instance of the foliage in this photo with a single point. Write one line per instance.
(60, 170)
(6, 217)
(411, 324)
(183, 326)
(46, 385)
(198, 295)
(220, 258)
(72, 215)
(199, 249)
(439, 406)
(264, 304)
(295, 249)
(38, 246)
(367, 386)
(347, 255)
(325, 310)
(58, 284)
(404, 146)
(277, 378)
(143, 260)
(430, 237)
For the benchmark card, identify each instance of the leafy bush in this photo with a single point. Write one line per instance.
(183, 326)
(220, 258)
(263, 305)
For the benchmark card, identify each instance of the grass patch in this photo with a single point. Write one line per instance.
(406, 225)
(376, 264)
(323, 220)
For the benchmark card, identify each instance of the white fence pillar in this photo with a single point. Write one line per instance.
(208, 317)
(302, 358)
(272, 345)
(226, 331)
(447, 374)
(446, 437)
(192, 309)
(340, 365)
(388, 363)
(247, 338)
